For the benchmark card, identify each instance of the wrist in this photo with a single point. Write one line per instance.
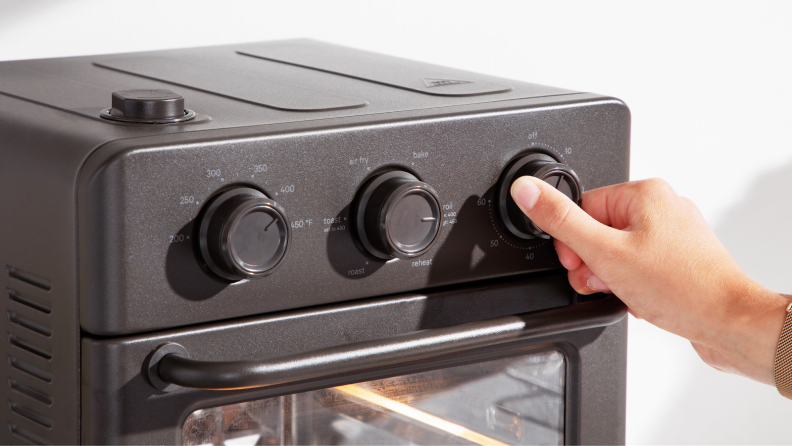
(747, 335)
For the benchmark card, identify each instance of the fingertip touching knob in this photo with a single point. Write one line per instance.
(397, 216)
(243, 234)
(542, 166)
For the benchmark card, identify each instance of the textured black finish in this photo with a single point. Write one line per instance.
(215, 80)
(94, 212)
(38, 175)
(180, 369)
(372, 67)
(81, 86)
(131, 189)
(29, 278)
(129, 210)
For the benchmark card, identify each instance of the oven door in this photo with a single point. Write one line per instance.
(515, 361)
(512, 400)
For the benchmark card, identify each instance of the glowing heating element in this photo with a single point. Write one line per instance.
(418, 415)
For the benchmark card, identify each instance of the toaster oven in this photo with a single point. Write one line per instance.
(297, 243)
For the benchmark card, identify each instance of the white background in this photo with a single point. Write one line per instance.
(709, 85)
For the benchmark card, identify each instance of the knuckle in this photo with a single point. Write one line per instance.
(652, 194)
(689, 202)
(691, 207)
(655, 186)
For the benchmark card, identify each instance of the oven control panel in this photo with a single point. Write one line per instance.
(244, 234)
(214, 228)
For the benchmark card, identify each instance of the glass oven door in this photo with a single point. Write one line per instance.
(515, 400)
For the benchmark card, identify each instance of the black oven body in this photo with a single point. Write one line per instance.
(100, 236)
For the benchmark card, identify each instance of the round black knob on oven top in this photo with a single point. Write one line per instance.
(243, 234)
(538, 165)
(397, 216)
(146, 106)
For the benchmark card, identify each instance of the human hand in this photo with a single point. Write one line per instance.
(654, 250)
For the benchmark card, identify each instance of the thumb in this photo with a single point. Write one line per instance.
(557, 215)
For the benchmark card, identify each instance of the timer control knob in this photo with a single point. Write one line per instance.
(242, 234)
(397, 216)
(542, 166)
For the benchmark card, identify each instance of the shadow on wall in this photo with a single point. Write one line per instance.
(714, 407)
(757, 231)
(13, 12)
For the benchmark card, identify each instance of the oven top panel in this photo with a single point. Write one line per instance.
(415, 76)
(254, 84)
(142, 205)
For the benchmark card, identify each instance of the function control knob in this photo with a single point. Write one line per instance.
(397, 216)
(542, 166)
(243, 234)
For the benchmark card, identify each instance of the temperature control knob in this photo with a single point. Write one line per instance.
(544, 167)
(396, 215)
(242, 234)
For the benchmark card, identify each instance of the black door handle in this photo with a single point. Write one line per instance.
(170, 363)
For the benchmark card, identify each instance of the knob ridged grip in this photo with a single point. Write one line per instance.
(243, 234)
(542, 166)
(397, 216)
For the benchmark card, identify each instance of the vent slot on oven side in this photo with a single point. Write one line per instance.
(30, 392)
(30, 278)
(30, 377)
(25, 435)
(31, 302)
(30, 414)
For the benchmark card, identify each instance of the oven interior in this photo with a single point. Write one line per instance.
(516, 400)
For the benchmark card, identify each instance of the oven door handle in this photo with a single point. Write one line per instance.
(170, 364)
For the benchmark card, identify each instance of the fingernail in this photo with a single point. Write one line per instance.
(594, 283)
(525, 193)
